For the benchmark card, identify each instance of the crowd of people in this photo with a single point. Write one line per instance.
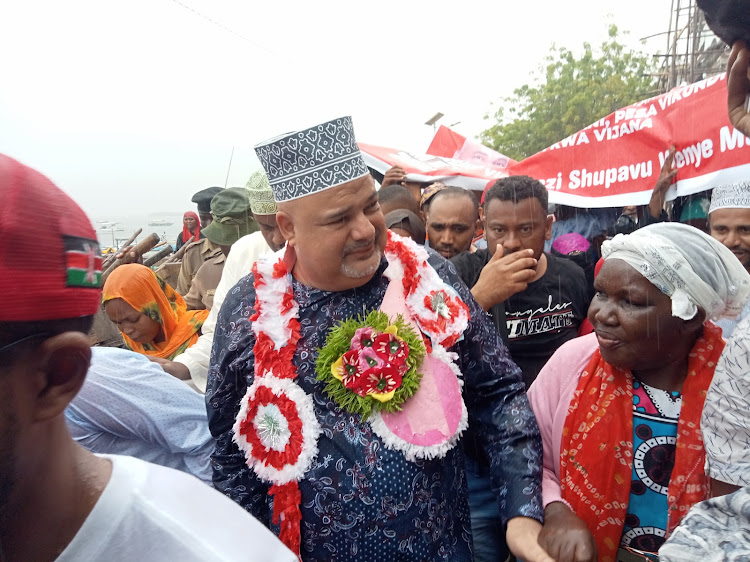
(411, 372)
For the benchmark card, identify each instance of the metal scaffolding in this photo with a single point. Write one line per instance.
(693, 52)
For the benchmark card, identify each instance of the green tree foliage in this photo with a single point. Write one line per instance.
(574, 93)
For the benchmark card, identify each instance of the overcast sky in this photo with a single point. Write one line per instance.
(132, 106)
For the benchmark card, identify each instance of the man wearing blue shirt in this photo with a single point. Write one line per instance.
(130, 406)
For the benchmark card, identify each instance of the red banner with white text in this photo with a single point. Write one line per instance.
(617, 160)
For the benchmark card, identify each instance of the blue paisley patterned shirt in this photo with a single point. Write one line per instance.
(361, 501)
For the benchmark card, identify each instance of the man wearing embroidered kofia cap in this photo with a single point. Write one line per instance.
(57, 500)
(344, 371)
(193, 364)
(726, 414)
(729, 223)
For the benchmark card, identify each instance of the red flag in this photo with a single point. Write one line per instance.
(472, 175)
(450, 144)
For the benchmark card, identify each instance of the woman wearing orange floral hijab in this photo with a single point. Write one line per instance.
(152, 317)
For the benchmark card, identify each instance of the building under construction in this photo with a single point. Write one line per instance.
(693, 52)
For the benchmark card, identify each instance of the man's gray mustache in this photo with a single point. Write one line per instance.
(353, 247)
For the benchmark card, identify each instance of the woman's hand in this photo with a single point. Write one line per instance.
(522, 539)
(565, 536)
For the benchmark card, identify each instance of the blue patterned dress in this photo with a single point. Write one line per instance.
(656, 413)
(361, 501)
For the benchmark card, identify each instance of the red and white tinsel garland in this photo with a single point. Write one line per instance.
(436, 307)
(276, 427)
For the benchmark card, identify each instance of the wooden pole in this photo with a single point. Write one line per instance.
(141, 248)
(177, 256)
(158, 256)
(110, 259)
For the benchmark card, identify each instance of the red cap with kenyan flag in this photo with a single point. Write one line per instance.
(50, 263)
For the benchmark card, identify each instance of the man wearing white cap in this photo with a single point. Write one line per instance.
(726, 421)
(344, 371)
(729, 223)
(193, 364)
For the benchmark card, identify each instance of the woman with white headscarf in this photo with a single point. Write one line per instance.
(619, 410)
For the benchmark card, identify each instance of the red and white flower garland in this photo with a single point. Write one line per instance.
(437, 308)
(277, 429)
(276, 426)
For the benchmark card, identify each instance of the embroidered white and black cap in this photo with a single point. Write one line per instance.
(313, 160)
(731, 196)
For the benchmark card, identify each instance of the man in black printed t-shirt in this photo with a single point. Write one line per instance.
(536, 300)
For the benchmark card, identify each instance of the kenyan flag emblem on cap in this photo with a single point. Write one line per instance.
(83, 262)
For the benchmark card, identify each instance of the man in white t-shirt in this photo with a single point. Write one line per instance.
(57, 500)
(193, 364)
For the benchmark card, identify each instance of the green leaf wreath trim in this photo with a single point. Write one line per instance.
(339, 342)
